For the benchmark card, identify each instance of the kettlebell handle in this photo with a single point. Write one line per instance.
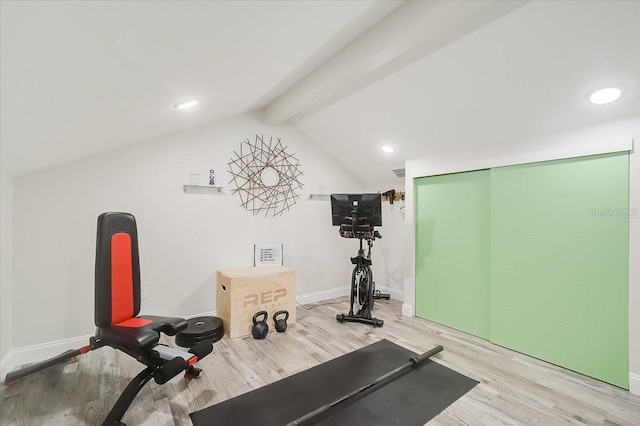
(257, 314)
(286, 315)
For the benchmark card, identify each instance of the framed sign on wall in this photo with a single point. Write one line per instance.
(267, 255)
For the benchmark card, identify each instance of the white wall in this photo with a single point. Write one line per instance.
(184, 238)
(6, 312)
(608, 137)
(387, 265)
(387, 253)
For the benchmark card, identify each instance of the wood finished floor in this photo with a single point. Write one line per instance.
(514, 389)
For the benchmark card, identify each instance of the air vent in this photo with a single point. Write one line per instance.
(399, 172)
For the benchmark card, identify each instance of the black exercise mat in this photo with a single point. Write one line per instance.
(411, 400)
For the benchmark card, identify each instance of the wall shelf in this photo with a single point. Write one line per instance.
(202, 189)
(319, 197)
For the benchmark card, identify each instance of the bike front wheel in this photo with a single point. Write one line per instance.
(363, 285)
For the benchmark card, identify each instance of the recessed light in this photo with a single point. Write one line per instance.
(605, 96)
(388, 149)
(187, 103)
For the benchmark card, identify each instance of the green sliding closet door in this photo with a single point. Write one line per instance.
(452, 250)
(559, 263)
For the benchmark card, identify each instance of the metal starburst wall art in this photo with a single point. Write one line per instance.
(265, 176)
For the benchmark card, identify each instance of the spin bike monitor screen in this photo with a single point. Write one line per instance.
(367, 207)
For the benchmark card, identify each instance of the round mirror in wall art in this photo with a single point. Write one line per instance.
(265, 176)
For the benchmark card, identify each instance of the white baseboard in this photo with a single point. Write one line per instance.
(41, 352)
(407, 310)
(319, 296)
(395, 294)
(205, 314)
(6, 365)
(634, 383)
(37, 353)
(44, 351)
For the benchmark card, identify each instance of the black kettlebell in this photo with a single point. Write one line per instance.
(281, 324)
(260, 328)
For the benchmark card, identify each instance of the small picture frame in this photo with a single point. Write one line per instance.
(267, 255)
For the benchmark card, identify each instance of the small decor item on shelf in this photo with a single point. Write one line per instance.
(194, 178)
(212, 177)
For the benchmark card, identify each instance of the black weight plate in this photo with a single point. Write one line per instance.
(205, 336)
(201, 325)
(200, 329)
(188, 343)
(192, 343)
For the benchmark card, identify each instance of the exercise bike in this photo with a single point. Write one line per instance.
(364, 213)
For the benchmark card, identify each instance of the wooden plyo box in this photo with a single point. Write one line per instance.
(241, 292)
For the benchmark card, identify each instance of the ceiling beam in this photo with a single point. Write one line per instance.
(413, 31)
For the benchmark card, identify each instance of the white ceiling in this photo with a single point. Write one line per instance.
(78, 78)
(524, 75)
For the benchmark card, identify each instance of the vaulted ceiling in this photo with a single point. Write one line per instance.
(79, 78)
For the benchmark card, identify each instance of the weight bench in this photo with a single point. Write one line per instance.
(117, 304)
